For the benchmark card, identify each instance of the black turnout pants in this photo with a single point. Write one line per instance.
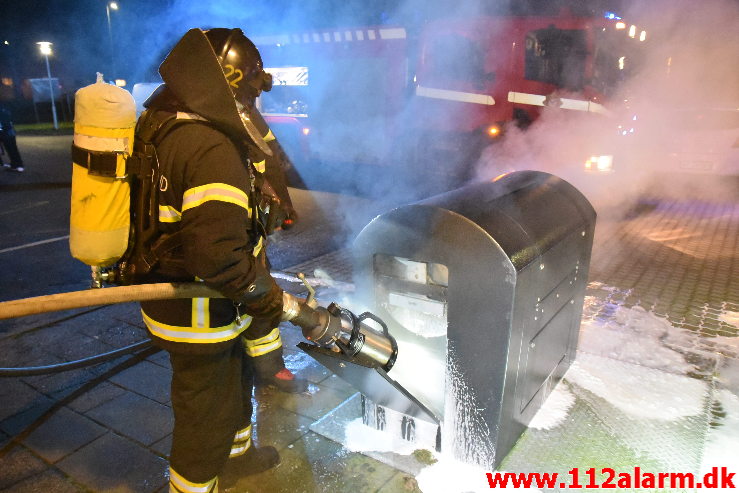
(211, 400)
(11, 146)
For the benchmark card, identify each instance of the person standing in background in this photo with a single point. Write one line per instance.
(7, 138)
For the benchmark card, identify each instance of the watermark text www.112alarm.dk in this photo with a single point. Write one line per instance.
(606, 477)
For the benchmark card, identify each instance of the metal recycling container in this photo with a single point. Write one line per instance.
(483, 289)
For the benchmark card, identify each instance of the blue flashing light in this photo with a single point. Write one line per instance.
(611, 15)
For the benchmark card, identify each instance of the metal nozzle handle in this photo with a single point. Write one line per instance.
(311, 299)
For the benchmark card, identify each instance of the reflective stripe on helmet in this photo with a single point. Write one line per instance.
(196, 196)
(260, 166)
(195, 334)
(263, 345)
(179, 484)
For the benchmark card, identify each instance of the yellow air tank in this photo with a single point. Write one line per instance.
(104, 124)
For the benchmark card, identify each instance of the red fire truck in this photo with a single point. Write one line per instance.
(429, 100)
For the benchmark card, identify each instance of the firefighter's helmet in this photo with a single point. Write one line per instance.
(217, 74)
(241, 62)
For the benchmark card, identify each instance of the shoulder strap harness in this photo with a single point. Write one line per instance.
(146, 245)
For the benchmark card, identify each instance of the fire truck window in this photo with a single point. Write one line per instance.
(453, 60)
(557, 57)
(617, 57)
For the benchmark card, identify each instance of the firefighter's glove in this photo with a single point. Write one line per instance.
(263, 297)
(291, 217)
(276, 216)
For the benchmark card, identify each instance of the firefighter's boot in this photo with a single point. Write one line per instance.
(254, 461)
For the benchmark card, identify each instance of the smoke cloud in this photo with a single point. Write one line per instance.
(674, 118)
(687, 64)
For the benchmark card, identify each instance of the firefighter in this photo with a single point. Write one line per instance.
(209, 215)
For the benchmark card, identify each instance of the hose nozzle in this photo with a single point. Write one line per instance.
(336, 327)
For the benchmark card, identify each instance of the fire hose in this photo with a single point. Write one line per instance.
(94, 297)
(333, 327)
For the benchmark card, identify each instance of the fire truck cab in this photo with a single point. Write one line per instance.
(429, 102)
(336, 92)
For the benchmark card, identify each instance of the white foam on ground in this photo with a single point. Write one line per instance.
(451, 476)
(629, 357)
(635, 335)
(359, 437)
(555, 408)
(447, 475)
(722, 441)
(638, 391)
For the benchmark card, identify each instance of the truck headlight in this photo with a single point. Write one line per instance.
(602, 164)
(493, 131)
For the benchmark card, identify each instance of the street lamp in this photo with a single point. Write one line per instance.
(45, 48)
(108, 7)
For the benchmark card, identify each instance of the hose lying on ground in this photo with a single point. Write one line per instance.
(92, 297)
(73, 365)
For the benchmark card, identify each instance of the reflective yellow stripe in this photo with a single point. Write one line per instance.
(182, 484)
(269, 137)
(258, 246)
(260, 166)
(192, 334)
(242, 442)
(263, 345)
(244, 434)
(196, 196)
(240, 449)
(273, 335)
(201, 313)
(168, 214)
(264, 349)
